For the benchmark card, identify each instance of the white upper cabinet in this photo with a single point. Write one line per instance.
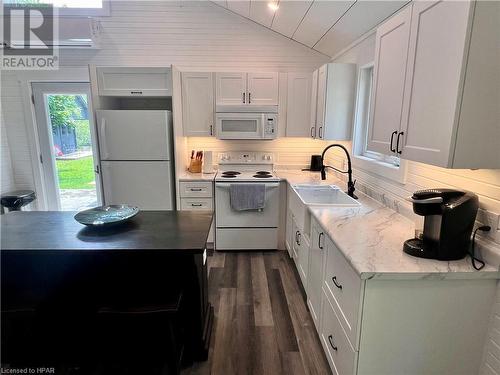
(299, 105)
(197, 104)
(391, 50)
(254, 89)
(335, 101)
(449, 115)
(231, 88)
(119, 81)
(439, 34)
(262, 88)
(320, 101)
(314, 103)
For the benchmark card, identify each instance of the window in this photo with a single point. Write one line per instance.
(67, 7)
(385, 165)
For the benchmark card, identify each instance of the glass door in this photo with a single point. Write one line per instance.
(68, 145)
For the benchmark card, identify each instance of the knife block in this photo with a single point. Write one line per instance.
(195, 166)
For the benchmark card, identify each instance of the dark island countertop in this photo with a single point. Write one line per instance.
(150, 230)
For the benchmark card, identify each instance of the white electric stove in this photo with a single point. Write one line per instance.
(246, 167)
(252, 229)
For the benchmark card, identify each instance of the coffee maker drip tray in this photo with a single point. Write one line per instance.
(415, 247)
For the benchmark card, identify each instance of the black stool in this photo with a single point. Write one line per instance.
(14, 200)
(142, 335)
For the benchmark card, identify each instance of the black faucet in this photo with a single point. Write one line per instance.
(350, 183)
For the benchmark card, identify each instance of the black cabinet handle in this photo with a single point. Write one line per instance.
(297, 237)
(196, 205)
(136, 92)
(211, 130)
(392, 139)
(330, 340)
(243, 98)
(319, 240)
(195, 189)
(313, 131)
(249, 98)
(397, 142)
(334, 279)
(320, 132)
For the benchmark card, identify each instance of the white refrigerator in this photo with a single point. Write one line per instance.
(135, 148)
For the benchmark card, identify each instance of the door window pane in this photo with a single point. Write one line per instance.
(72, 149)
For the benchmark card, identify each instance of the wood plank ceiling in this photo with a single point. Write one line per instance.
(327, 26)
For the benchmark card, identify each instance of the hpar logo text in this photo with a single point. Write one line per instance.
(29, 32)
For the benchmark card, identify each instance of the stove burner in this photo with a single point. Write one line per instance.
(228, 176)
(231, 173)
(263, 172)
(262, 176)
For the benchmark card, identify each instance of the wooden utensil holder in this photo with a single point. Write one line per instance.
(195, 166)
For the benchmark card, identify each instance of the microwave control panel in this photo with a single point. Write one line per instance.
(270, 125)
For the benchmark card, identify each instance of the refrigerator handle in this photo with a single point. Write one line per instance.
(102, 136)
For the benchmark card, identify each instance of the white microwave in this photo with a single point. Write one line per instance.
(234, 125)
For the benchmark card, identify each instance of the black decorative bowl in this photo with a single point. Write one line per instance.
(104, 216)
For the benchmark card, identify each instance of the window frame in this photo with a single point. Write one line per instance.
(105, 11)
(369, 161)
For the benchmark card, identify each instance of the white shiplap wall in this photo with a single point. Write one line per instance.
(190, 35)
(13, 138)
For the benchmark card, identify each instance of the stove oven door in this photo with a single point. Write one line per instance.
(226, 217)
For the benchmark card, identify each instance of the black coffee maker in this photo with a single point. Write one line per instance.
(448, 224)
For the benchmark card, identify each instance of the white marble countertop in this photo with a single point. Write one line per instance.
(371, 239)
(188, 176)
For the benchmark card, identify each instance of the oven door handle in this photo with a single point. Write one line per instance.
(271, 185)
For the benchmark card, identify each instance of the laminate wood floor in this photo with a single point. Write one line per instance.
(262, 325)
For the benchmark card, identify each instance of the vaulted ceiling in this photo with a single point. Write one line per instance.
(327, 26)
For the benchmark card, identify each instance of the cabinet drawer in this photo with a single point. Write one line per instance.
(196, 189)
(344, 287)
(340, 354)
(196, 204)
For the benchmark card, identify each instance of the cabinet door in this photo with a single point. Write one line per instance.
(438, 40)
(391, 50)
(113, 81)
(339, 102)
(296, 241)
(197, 104)
(289, 234)
(314, 101)
(315, 273)
(303, 259)
(320, 105)
(298, 105)
(231, 88)
(262, 88)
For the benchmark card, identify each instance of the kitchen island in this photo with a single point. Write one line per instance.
(52, 263)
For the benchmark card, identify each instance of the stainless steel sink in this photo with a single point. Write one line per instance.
(324, 195)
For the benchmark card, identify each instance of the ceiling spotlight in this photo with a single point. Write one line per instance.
(273, 5)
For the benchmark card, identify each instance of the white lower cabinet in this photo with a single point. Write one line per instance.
(343, 286)
(289, 234)
(339, 352)
(389, 324)
(198, 196)
(317, 256)
(300, 252)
